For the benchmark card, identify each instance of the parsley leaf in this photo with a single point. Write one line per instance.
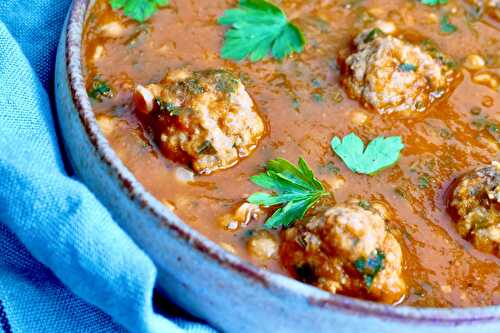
(139, 10)
(423, 182)
(295, 188)
(370, 267)
(100, 90)
(406, 67)
(257, 28)
(446, 26)
(434, 2)
(380, 153)
(374, 33)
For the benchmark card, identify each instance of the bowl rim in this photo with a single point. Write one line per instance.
(73, 33)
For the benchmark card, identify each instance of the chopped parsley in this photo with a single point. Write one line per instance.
(380, 153)
(225, 82)
(316, 83)
(317, 97)
(482, 123)
(139, 10)
(193, 85)
(365, 204)
(169, 107)
(423, 182)
(295, 188)
(370, 267)
(374, 33)
(405, 67)
(429, 46)
(258, 28)
(434, 2)
(446, 26)
(100, 89)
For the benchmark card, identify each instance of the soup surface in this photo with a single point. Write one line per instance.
(304, 105)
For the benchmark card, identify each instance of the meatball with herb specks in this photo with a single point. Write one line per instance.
(204, 119)
(390, 75)
(476, 203)
(346, 249)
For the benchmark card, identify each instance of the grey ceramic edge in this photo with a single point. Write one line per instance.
(228, 292)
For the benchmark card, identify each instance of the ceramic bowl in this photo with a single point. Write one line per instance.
(228, 292)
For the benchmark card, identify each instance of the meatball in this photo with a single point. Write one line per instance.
(346, 249)
(476, 204)
(204, 119)
(389, 74)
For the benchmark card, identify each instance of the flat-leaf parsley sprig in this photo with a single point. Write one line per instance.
(380, 153)
(139, 10)
(294, 187)
(258, 28)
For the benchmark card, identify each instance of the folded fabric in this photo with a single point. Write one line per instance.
(65, 265)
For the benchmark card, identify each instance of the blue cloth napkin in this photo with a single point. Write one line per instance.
(65, 265)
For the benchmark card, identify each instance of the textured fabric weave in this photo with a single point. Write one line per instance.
(65, 265)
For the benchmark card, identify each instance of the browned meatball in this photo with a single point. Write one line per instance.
(346, 249)
(389, 74)
(203, 119)
(476, 204)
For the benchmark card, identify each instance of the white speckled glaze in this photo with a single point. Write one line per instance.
(198, 275)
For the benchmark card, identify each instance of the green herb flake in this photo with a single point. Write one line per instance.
(407, 67)
(434, 2)
(258, 28)
(431, 47)
(225, 82)
(318, 98)
(316, 83)
(380, 153)
(139, 10)
(100, 90)
(295, 188)
(169, 107)
(423, 182)
(365, 204)
(370, 267)
(248, 233)
(494, 130)
(450, 63)
(374, 33)
(193, 86)
(446, 26)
